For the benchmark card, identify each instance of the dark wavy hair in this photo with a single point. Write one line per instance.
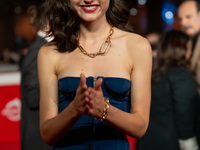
(171, 53)
(38, 21)
(64, 21)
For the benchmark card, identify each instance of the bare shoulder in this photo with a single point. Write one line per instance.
(138, 46)
(48, 52)
(137, 43)
(133, 42)
(48, 58)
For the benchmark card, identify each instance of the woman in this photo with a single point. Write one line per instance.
(91, 76)
(174, 93)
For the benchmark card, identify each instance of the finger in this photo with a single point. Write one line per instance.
(82, 79)
(87, 93)
(89, 89)
(91, 103)
(98, 84)
(81, 98)
(90, 112)
(91, 94)
(84, 97)
(87, 100)
(87, 106)
(82, 84)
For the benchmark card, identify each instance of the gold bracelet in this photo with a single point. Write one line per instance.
(105, 110)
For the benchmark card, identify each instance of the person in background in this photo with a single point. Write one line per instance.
(22, 46)
(94, 77)
(174, 93)
(189, 18)
(6, 57)
(153, 38)
(30, 94)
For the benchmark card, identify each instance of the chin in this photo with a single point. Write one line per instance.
(192, 34)
(90, 18)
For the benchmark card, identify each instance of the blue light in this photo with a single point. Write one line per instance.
(142, 2)
(168, 10)
(169, 15)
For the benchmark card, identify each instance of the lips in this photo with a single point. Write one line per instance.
(89, 8)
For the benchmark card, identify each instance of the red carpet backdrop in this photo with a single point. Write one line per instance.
(9, 111)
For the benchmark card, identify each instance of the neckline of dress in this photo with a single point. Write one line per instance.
(91, 77)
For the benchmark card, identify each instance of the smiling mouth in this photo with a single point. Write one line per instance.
(89, 8)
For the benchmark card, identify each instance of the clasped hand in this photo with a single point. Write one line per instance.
(88, 100)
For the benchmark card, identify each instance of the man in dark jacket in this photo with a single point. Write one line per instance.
(30, 95)
(189, 17)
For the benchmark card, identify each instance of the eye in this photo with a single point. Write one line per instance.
(188, 16)
(179, 19)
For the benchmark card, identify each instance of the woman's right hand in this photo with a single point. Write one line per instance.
(80, 103)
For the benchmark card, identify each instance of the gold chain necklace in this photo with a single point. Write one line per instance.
(100, 52)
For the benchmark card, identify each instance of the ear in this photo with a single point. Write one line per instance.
(198, 13)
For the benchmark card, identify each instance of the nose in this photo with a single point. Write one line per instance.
(183, 21)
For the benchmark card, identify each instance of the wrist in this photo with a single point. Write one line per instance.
(105, 110)
(74, 110)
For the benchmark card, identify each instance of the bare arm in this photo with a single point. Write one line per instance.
(54, 126)
(136, 122)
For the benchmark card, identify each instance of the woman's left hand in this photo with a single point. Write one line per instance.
(96, 100)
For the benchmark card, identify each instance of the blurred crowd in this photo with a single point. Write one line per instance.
(25, 33)
(174, 116)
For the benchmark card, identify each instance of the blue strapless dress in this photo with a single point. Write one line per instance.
(87, 133)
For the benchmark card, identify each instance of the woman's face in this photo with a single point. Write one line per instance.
(90, 10)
